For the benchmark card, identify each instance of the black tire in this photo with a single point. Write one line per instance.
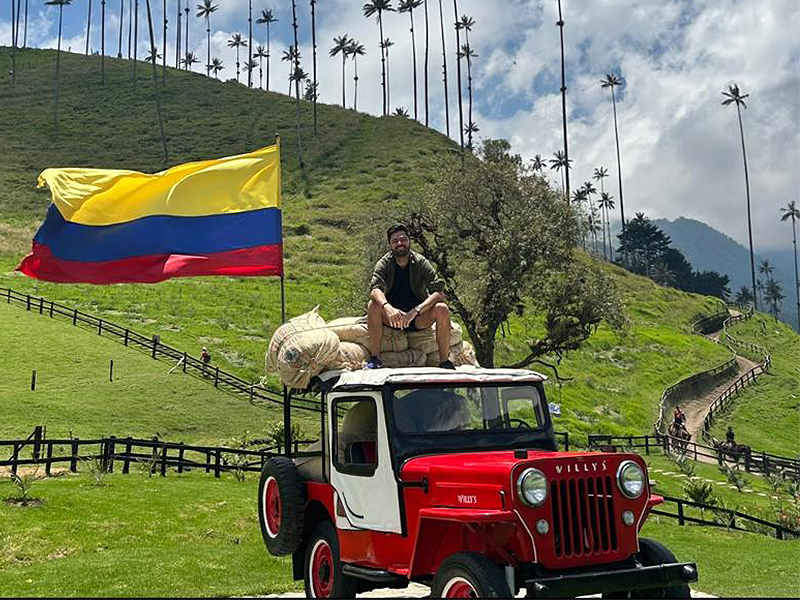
(322, 567)
(281, 525)
(653, 553)
(470, 570)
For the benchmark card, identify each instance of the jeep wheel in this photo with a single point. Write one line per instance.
(323, 568)
(469, 575)
(653, 553)
(280, 506)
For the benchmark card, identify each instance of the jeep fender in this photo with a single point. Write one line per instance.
(319, 507)
(440, 533)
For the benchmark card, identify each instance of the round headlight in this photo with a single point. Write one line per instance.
(630, 479)
(532, 487)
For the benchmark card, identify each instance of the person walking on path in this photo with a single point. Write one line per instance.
(205, 358)
(406, 293)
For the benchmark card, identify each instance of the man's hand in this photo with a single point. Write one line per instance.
(408, 318)
(394, 316)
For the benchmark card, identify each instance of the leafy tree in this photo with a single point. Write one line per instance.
(310, 94)
(409, 6)
(734, 96)
(267, 18)
(61, 4)
(610, 82)
(744, 296)
(773, 296)
(711, 283)
(237, 41)
(354, 50)
(644, 244)
(372, 8)
(513, 249)
(790, 211)
(680, 268)
(204, 11)
(341, 45)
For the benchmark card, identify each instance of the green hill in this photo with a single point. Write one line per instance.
(358, 166)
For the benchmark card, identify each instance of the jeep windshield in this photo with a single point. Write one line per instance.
(469, 417)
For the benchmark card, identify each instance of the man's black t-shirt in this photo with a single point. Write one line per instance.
(401, 296)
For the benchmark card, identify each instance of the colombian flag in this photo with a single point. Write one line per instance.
(215, 217)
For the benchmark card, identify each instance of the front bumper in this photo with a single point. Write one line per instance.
(612, 580)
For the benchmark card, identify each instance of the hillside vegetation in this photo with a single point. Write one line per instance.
(358, 166)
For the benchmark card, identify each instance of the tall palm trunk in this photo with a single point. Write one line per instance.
(747, 190)
(208, 46)
(88, 23)
(19, 18)
(130, 26)
(268, 55)
(427, 44)
(121, 21)
(458, 70)
(444, 71)
(355, 82)
(383, 64)
(796, 278)
(297, 87)
(237, 64)
(388, 85)
(58, 63)
(164, 49)
(13, 46)
(103, 42)
(619, 173)
(186, 41)
(344, 59)
(564, 99)
(249, 43)
(178, 37)
(155, 80)
(314, 50)
(135, 38)
(25, 30)
(414, 59)
(469, 88)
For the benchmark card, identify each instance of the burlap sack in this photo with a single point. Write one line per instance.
(407, 358)
(351, 356)
(461, 353)
(425, 340)
(354, 330)
(301, 349)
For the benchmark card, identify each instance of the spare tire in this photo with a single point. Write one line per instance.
(280, 506)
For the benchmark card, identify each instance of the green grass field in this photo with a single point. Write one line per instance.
(766, 416)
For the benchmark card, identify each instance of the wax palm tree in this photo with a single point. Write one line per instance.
(266, 19)
(88, 25)
(103, 42)
(610, 82)
(537, 164)
(744, 296)
(578, 199)
(607, 205)
(295, 75)
(13, 47)
(662, 275)
(458, 74)
(237, 41)
(121, 22)
(354, 50)
(204, 11)
(385, 45)
(466, 52)
(189, 60)
(766, 269)
(155, 80)
(401, 112)
(298, 76)
(250, 65)
(61, 4)
(734, 96)
(149, 57)
(760, 287)
(260, 54)
(790, 211)
(444, 73)
(135, 37)
(250, 41)
(558, 163)
(178, 46)
(164, 39)
(409, 6)
(372, 8)
(427, 46)
(471, 129)
(340, 46)
(560, 24)
(186, 18)
(290, 57)
(217, 66)
(773, 296)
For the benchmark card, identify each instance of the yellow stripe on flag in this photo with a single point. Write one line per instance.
(224, 185)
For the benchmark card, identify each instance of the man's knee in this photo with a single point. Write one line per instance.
(441, 310)
(373, 308)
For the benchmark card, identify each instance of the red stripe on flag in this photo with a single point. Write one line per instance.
(259, 261)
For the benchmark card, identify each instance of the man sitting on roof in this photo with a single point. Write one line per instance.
(406, 293)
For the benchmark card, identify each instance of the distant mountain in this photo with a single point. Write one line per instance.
(707, 248)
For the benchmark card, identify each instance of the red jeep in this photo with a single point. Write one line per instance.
(453, 479)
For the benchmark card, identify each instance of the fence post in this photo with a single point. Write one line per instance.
(180, 458)
(647, 444)
(155, 344)
(51, 309)
(251, 394)
(41, 305)
(154, 456)
(37, 441)
(49, 456)
(28, 302)
(33, 381)
(14, 458)
(566, 441)
(8, 295)
(208, 461)
(766, 462)
(73, 463)
(217, 461)
(779, 532)
(164, 460)
(75, 317)
(680, 513)
(216, 377)
(184, 362)
(127, 333)
(126, 463)
(99, 326)
(111, 449)
(747, 462)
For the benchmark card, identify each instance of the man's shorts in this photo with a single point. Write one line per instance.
(411, 326)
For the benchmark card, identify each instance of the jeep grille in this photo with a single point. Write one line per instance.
(583, 516)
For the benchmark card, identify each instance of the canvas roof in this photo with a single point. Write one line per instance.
(409, 375)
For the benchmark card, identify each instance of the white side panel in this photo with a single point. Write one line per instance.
(370, 502)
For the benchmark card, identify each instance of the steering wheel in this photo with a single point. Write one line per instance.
(520, 424)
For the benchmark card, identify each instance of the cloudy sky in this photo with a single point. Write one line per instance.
(681, 151)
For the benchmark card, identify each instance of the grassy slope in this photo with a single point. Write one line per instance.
(767, 415)
(73, 393)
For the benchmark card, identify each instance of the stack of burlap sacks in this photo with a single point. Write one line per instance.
(306, 346)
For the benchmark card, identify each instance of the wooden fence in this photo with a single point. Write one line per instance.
(153, 346)
(754, 462)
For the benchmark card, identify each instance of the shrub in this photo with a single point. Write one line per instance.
(24, 482)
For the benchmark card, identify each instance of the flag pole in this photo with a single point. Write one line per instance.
(287, 399)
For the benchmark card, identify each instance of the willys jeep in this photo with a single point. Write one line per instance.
(453, 479)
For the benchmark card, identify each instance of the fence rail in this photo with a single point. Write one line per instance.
(754, 462)
(153, 346)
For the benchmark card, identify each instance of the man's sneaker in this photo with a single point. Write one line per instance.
(374, 363)
(447, 365)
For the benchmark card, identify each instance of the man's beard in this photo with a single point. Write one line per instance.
(400, 252)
